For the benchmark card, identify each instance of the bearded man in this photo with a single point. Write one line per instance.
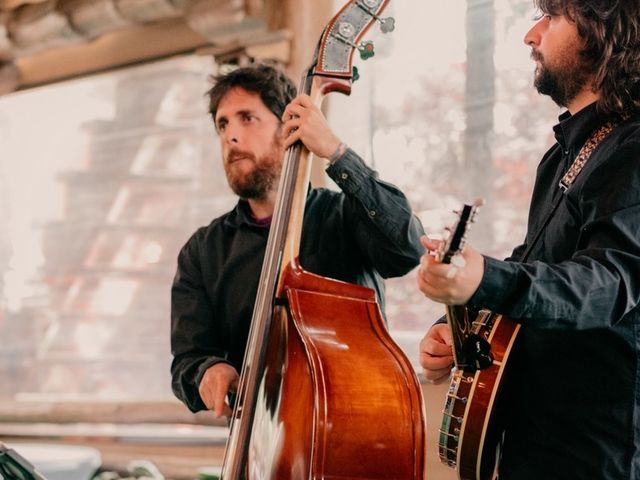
(573, 387)
(360, 235)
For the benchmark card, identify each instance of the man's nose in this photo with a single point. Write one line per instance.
(230, 138)
(231, 134)
(532, 37)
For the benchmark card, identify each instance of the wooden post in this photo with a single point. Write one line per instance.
(478, 107)
(305, 19)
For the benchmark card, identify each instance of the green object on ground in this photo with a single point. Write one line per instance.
(209, 473)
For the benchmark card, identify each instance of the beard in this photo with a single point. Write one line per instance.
(262, 178)
(563, 81)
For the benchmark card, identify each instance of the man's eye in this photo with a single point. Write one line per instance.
(540, 15)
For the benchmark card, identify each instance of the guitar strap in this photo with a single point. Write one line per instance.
(570, 176)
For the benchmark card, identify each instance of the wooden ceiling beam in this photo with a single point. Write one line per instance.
(117, 49)
(7, 5)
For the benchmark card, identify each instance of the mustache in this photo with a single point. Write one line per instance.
(235, 154)
(536, 55)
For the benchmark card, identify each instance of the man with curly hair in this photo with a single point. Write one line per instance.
(572, 400)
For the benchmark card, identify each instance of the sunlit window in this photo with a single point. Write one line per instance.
(101, 181)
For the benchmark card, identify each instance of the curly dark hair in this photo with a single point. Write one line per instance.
(275, 89)
(611, 32)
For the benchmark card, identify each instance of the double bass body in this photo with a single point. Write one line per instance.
(338, 399)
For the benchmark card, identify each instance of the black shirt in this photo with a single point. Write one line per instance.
(575, 381)
(360, 235)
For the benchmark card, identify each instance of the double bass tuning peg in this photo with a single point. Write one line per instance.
(345, 32)
(386, 24)
(355, 74)
(366, 49)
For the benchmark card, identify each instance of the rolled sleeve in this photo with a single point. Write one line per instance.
(380, 216)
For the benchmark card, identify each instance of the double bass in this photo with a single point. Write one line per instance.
(324, 392)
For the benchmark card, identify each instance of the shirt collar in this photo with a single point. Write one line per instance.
(572, 131)
(241, 215)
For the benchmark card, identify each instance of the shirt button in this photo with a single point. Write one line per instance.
(344, 176)
(372, 213)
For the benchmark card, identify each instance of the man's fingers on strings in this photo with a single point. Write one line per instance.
(207, 398)
(292, 112)
(451, 272)
(458, 260)
(431, 362)
(226, 410)
(435, 348)
(303, 99)
(291, 128)
(437, 376)
(291, 137)
(446, 336)
(298, 107)
(233, 387)
(431, 245)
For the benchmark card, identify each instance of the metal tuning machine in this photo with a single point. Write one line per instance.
(386, 24)
(346, 31)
